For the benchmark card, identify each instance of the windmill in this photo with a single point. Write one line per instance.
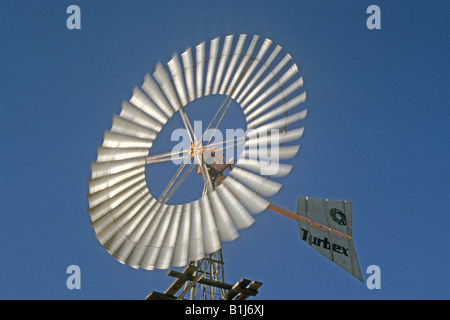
(146, 231)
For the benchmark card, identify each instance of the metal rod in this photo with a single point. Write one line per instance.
(295, 216)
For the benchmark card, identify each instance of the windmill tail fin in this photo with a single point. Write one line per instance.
(326, 225)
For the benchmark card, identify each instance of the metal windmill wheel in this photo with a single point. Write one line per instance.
(144, 231)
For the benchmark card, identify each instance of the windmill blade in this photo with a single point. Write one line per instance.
(188, 65)
(100, 169)
(266, 80)
(225, 226)
(151, 89)
(211, 240)
(139, 234)
(262, 51)
(241, 218)
(109, 220)
(133, 114)
(265, 66)
(266, 139)
(102, 195)
(281, 96)
(162, 78)
(243, 64)
(196, 247)
(222, 63)
(278, 111)
(283, 79)
(213, 49)
(140, 100)
(278, 124)
(110, 180)
(256, 182)
(116, 140)
(125, 127)
(115, 234)
(177, 76)
(236, 55)
(105, 154)
(142, 254)
(200, 54)
(168, 245)
(109, 205)
(154, 248)
(263, 166)
(180, 252)
(251, 201)
(284, 152)
(108, 226)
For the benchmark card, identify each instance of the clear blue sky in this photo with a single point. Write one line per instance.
(377, 133)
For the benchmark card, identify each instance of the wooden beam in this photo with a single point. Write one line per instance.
(294, 216)
(255, 285)
(235, 290)
(209, 282)
(177, 284)
(154, 295)
(190, 285)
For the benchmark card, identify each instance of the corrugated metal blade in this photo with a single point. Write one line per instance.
(135, 115)
(142, 101)
(112, 154)
(154, 248)
(168, 245)
(211, 240)
(200, 64)
(257, 61)
(177, 76)
(125, 127)
(249, 198)
(241, 218)
(267, 79)
(117, 140)
(277, 98)
(213, 49)
(265, 140)
(230, 69)
(279, 124)
(255, 182)
(278, 111)
(223, 60)
(100, 169)
(225, 226)
(109, 205)
(101, 183)
(263, 167)
(100, 196)
(154, 92)
(162, 77)
(242, 65)
(196, 246)
(276, 86)
(265, 66)
(180, 252)
(188, 65)
(285, 152)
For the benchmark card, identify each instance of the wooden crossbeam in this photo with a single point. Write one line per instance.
(177, 284)
(255, 285)
(239, 291)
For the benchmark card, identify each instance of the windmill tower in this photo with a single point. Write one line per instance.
(143, 230)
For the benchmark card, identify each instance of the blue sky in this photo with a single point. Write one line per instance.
(376, 133)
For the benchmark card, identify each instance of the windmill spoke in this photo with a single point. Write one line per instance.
(172, 181)
(205, 175)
